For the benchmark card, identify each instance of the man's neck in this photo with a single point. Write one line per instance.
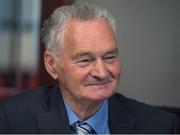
(83, 108)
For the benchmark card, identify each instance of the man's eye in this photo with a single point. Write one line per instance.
(83, 62)
(110, 59)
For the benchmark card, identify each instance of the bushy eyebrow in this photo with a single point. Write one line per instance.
(91, 55)
(115, 51)
(82, 54)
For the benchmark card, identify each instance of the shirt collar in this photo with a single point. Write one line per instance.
(99, 121)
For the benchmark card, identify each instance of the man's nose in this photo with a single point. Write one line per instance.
(99, 70)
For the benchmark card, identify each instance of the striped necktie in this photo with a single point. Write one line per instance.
(82, 128)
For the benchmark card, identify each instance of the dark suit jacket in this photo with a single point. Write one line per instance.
(43, 111)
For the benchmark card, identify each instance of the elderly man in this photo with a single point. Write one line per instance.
(81, 53)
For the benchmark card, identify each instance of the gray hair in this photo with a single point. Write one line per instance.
(53, 30)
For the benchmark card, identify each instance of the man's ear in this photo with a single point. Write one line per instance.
(50, 64)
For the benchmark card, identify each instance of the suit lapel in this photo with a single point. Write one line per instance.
(121, 119)
(54, 119)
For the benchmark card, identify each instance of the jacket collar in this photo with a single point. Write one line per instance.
(121, 120)
(54, 119)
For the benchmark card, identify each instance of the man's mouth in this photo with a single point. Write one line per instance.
(97, 83)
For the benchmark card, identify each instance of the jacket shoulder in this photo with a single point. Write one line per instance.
(148, 117)
(27, 99)
(17, 113)
(139, 108)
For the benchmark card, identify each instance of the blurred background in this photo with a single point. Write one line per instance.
(21, 49)
(148, 35)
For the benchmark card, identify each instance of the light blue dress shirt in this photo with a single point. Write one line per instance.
(99, 121)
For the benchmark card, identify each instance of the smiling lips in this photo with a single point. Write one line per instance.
(99, 85)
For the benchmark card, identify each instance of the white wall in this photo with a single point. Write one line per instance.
(149, 44)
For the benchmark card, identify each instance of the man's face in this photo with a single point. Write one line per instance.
(90, 67)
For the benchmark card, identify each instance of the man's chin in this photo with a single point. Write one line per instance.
(99, 96)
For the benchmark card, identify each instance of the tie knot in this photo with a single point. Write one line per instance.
(82, 128)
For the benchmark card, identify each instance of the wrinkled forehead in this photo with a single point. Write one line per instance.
(87, 29)
(88, 36)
